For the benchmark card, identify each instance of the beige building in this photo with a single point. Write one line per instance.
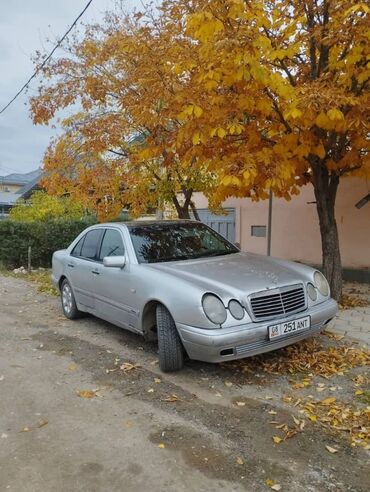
(295, 233)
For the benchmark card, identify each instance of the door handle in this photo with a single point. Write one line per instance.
(70, 265)
(95, 272)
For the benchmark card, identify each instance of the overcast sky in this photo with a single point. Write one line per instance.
(25, 26)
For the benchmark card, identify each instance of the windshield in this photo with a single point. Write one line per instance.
(177, 241)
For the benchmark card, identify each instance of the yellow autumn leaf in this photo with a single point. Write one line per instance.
(359, 392)
(335, 114)
(196, 138)
(295, 113)
(277, 439)
(328, 401)
(320, 151)
(322, 120)
(313, 418)
(239, 460)
(72, 366)
(198, 111)
(161, 445)
(235, 181)
(86, 394)
(226, 180)
(221, 132)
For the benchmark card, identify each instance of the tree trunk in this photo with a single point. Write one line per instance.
(183, 210)
(325, 187)
(194, 210)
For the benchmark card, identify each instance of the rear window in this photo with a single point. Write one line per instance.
(77, 249)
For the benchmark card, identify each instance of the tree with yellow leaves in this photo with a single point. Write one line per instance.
(119, 145)
(282, 89)
(229, 97)
(41, 206)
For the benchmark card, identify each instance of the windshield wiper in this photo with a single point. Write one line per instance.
(169, 258)
(217, 252)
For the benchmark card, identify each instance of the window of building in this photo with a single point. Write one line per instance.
(258, 230)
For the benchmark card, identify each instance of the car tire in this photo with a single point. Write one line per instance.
(67, 297)
(170, 349)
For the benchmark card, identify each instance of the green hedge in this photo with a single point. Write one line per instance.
(43, 237)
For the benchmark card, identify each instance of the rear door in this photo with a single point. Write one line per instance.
(82, 267)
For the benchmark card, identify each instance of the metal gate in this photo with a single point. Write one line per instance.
(223, 224)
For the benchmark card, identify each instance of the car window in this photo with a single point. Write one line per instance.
(77, 249)
(112, 244)
(177, 241)
(91, 243)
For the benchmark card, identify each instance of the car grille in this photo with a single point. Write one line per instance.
(278, 302)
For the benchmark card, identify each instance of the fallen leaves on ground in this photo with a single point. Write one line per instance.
(40, 423)
(277, 439)
(72, 367)
(339, 417)
(42, 279)
(351, 301)
(171, 399)
(87, 393)
(239, 461)
(308, 356)
(274, 486)
(127, 366)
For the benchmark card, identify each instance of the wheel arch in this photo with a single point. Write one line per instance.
(61, 280)
(149, 320)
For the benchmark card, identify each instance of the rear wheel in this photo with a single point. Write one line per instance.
(171, 351)
(68, 301)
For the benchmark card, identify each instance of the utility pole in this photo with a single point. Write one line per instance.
(269, 224)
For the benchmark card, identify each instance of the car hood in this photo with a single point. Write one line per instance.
(240, 273)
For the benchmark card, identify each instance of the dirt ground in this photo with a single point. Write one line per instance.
(75, 415)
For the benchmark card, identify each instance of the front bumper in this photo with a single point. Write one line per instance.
(249, 339)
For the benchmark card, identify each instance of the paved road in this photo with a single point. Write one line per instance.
(144, 430)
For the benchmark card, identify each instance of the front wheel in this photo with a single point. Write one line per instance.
(69, 305)
(171, 351)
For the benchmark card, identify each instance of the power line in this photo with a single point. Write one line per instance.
(48, 57)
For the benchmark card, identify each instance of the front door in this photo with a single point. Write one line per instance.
(112, 289)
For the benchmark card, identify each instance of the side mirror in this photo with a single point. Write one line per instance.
(114, 261)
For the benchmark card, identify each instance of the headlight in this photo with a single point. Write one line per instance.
(214, 309)
(312, 292)
(236, 309)
(321, 283)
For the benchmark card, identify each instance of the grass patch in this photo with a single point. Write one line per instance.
(41, 278)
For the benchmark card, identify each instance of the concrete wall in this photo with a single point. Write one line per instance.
(295, 228)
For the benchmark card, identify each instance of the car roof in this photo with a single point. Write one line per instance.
(138, 223)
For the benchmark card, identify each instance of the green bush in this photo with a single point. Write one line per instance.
(43, 237)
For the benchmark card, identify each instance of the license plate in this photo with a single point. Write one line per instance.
(283, 329)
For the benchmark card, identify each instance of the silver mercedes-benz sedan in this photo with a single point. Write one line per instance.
(181, 283)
